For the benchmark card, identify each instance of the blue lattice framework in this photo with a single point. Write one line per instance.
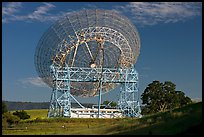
(129, 98)
(60, 104)
(81, 47)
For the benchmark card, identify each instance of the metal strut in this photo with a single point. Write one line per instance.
(128, 101)
(60, 104)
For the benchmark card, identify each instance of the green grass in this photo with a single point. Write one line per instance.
(42, 113)
(36, 113)
(175, 122)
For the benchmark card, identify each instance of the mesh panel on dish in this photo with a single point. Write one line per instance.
(74, 40)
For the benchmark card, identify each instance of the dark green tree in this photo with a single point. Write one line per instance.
(110, 103)
(113, 104)
(4, 107)
(105, 102)
(22, 114)
(8, 119)
(158, 97)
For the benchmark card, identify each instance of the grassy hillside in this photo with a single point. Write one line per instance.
(178, 121)
(37, 113)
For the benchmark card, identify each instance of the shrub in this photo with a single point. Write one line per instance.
(4, 108)
(21, 114)
(4, 123)
(38, 119)
(8, 119)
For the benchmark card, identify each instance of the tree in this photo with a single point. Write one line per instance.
(159, 97)
(21, 114)
(4, 107)
(105, 102)
(113, 104)
(8, 119)
(109, 103)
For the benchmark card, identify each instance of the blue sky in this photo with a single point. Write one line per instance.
(171, 45)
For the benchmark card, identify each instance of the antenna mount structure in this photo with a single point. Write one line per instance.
(86, 54)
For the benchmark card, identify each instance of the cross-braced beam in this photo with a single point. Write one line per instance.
(60, 104)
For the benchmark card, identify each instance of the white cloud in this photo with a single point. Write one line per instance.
(141, 13)
(151, 13)
(11, 8)
(35, 81)
(40, 14)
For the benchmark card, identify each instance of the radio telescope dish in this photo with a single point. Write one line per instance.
(77, 40)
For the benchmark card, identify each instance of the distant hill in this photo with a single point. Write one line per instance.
(12, 105)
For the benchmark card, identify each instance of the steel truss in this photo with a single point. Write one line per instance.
(60, 104)
(129, 98)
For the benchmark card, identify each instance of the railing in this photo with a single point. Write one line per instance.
(108, 75)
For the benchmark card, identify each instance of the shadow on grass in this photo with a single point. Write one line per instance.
(193, 130)
(178, 121)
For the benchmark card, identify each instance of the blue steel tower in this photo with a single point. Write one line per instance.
(88, 53)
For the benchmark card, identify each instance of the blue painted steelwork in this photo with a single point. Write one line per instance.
(128, 101)
(75, 39)
(99, 100)
(60, 104)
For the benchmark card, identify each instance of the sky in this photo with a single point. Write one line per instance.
(170, 34)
